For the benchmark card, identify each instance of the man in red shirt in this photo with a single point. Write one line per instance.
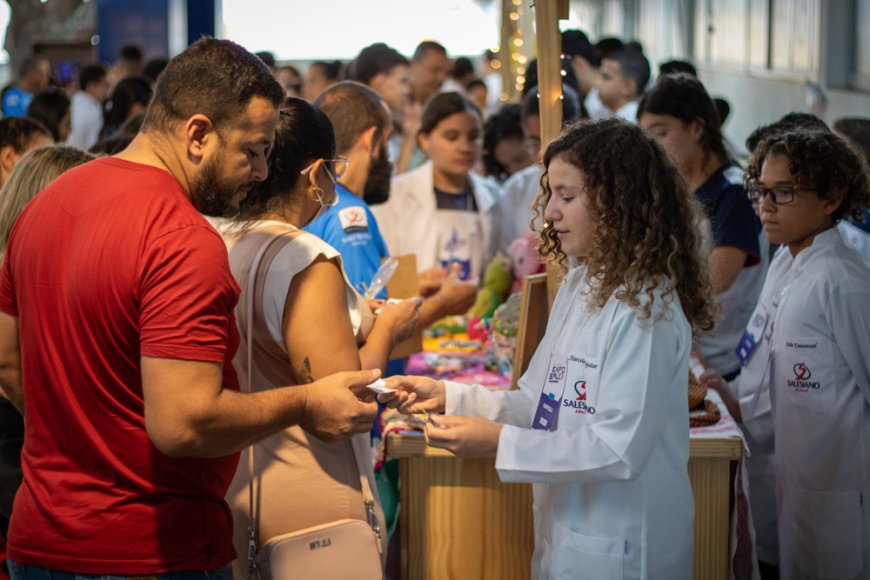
(116, 314)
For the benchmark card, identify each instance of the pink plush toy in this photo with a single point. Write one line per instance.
(524, 259)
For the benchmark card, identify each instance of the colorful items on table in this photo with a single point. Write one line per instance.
(470, 368)
(450, 342)
(447, 325)
(505, 320)
(525, 260)
(496, 283)
(478, 329)
(503, 328)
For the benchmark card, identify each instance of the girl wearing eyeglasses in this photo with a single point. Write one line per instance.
(306, 321)
(599, 422)
(806, 354)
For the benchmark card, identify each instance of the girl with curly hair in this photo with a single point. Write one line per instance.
(599, 423)
(806, 355)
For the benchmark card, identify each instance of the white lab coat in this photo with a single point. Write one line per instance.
(407, 219)
(518, 195)
(855, 238)
(612, 497)
(751, 388)
(820, 394)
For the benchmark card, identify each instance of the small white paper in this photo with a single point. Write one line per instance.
(380, 387)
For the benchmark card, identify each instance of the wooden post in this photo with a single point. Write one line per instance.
(549, 44)
(504, 50)
(535, 302)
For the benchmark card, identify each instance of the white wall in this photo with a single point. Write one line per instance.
(757, 100)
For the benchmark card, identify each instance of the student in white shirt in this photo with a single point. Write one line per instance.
(443, 212)
(521, 189)
(808, 341)
(86, 119)
(585, 61)
(624, 76)
(600, 422)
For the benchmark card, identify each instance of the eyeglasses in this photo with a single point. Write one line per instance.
(339, 167)
(779, 194)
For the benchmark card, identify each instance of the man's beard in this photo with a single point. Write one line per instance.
(377, 189)
(211, 194)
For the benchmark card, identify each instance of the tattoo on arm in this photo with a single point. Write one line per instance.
(305, 376)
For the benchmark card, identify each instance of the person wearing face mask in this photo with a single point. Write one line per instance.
(121, 346)
(363, 126)
(309, 323)
(443, 212)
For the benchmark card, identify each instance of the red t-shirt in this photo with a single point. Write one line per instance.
(109, 263)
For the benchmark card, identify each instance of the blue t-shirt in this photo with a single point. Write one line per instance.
(463, 201)
(730, 212)
(350, 228)
(15, 102)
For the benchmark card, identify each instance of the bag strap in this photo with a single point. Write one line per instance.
(254, 290)
(368, 497)
(254, 284)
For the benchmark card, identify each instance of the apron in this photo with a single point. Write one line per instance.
(461, 241)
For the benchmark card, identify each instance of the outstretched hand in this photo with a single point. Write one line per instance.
(334, 411)
(457, 295)
(414, 395)
(402, 317)
(464, 436)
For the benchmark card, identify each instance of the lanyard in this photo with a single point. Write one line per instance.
(776, 303)
(556, 380)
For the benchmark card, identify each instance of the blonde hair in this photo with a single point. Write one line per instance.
(36, 170)
(646, 233)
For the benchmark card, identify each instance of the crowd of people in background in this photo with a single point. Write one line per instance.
(324, 173)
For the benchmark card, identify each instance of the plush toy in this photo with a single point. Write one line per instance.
(524, 257)
(477, 329)
(496, 283)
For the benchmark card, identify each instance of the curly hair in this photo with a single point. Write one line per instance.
(647, 234)
(819, 161)
(794, 121)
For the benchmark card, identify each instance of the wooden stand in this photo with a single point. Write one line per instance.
(405, 283)
(459, 521)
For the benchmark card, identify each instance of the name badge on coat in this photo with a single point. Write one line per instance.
(547, 413)
(752, 335)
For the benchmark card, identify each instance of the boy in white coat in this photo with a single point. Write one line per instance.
(808, 343)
